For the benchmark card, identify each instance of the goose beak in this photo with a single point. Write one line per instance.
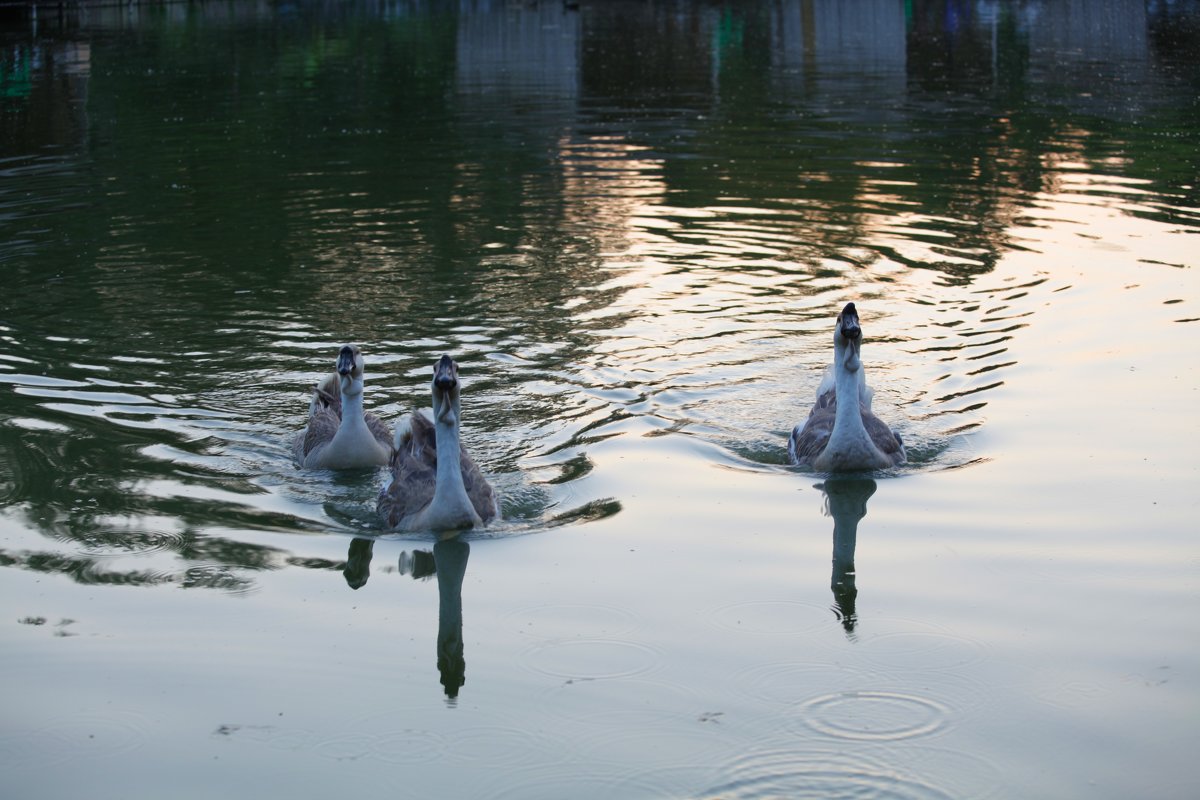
(345, 361)
(848, 324)
(445, 389)
(445, 374)
(851, 332)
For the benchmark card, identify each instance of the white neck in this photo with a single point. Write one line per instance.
(450, 507)
(353, 445)
(352, 400)
(848, 419)
(849, 446)
(353, 424)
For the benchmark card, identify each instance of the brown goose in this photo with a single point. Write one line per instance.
(841, 432)
(436, 485)
(339, 434)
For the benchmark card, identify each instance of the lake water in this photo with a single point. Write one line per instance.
(632, 223)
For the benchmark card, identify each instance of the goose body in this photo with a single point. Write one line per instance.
(339, 433)
(435, 483)
(841, 432)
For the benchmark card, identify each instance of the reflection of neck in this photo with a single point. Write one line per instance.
(845, 536)
(847, 499)
(450, 556)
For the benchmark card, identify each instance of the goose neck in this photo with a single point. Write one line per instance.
(848, 417)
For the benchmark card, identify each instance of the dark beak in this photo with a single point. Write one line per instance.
(345, 362)
(445, 373)
(849, 323)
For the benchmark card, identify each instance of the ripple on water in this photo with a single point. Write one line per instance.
(1073, 695)
(673, 781)
(491, 742)
(592, 659)
(347, 747)
(32, 750)
(873, 715)
(626, 703)
(555, 782)
(216, 576)
(818, 774)
(695, 740)
(926, 647)
(500, 746)
(571, 780)
(557, 621)
(110, 540)
(72, 738)
(404, 746)
(771, 617)
(966, 776)
(789, 683)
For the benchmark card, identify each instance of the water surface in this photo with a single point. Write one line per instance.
(632, 225)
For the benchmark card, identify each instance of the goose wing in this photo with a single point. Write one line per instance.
(322, 426)
(887, 440)
(479, 491)
(326, 395)
(414, 475)
(411, 489)
(809, 440)
(379, 430)
(414, 471)
(415, 433)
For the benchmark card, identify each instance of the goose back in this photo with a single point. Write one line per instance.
(810, 439)
(414, 475)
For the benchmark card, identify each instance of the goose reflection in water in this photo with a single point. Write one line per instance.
(845, 501)
(448, 563)
(358, 562)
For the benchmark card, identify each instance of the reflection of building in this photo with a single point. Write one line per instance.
(827, 41)
(1093, 55)
(38, 75)
(525, 53)
(129, 15)
(1095, 51)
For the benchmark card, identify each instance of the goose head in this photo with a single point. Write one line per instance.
(445, 391)
(350, 369)
(847, 339)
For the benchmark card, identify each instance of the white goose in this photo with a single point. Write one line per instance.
(339, 434)
(841, 433)
(436, 485)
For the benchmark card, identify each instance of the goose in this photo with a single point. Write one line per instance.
(841, 433)
(339, 434)
(435, 484)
